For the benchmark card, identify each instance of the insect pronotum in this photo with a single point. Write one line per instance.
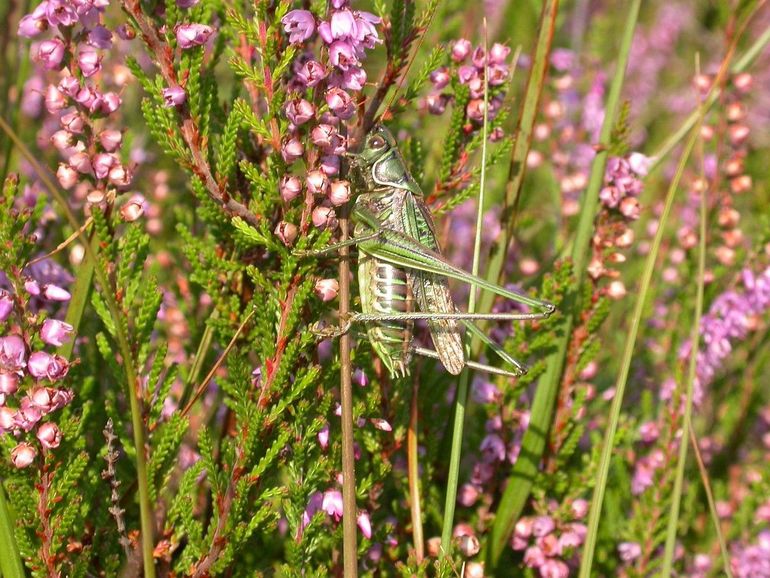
(400, 266)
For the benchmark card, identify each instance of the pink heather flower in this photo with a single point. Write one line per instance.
(323, 437)
(186, 3)
(313, 505)
(81, 162)
(342, 54)
(72, 122)
(110, 102)
(523, 528)
(317, 182)
(290, 187)
(327, 289)
(174, 96)
(440, 78)
(7, 419)
(49, 435)
(570, 540)
(102, 163)
(366, 31)
(467, 495)
(100, 37)
(110, 139)
(43, 365)
(13, 353)
(475, 109)
(311, 73)
(563, 59)
(498, 53)
(354, 78)
(299, 25)
(120, 176)
(286, 232)
(534, 557)
(342, 25)
(191, 35)
(340, 103)
(299, 111)
(50, 53)
(339, 193)
(580, 508)
(436, 103)
(33, 24)
(332, 504)
(292, 149)
(461, 49)
(497, 74)
(70, 86)
(381, 424)
(55, 332)
(640, 163)
(630, 208)
(542, 525)
(54, 99)
(649, 432)
(6, 305)
(61, 13)
(324, 217)
(323, 135)
(89, 62)
(62, 140)
(485, 392)
(360, 378)
(364, 524)
(629, 551)
(134, 208)
(553, 568)
(493, 448)
(23, 455)
(330, 165)
(88, 97)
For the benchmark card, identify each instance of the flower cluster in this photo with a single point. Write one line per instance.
(747, 561)
(30, 377)
(620, 207)
(321, 101)
(89, 147)
(470, 67)
(330, 502)
(551, 545)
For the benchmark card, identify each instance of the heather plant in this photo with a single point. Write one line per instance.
(176, 395)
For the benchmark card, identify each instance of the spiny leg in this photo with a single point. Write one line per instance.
(337, 246)
(472, 364)
(457, 316)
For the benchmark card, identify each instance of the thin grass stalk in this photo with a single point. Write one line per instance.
(349, 545)
(81, 294)
(10, 562)
(673, 517)
(413, 474)
(137, 422)
(453, 477)
(534, 442)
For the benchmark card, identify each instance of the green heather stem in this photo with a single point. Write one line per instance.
(137, 422)
(534, 442)
(10, 561)
(673, 516)
(453, 477)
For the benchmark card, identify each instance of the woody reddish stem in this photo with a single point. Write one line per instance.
(188, 128)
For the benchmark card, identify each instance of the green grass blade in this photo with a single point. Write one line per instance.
(81, 292)
(10, 560)
(534, 442)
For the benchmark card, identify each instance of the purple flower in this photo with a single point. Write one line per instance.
(110, 139)
(340, 103)
(49, 435)
(311, 73)
(54, 99)
(55, 332)
(493, 448)
(6, 305)
(342, 25)
(461, 49)
(290, 187)
(299, 25)
(61, 13)
(23, 455)
(542, 525)
(190, 35)
(174, 96)
(33, 24)
(43, 365)
(292, 149)
(51, 54)
(354, 78)
(498, 53)
(330, 165)
(342, 54)
(102, 163)
(56, 293)
(629, 551)
(13, 353)
(323, 437)
(100, 37)
(440, 78)
(332, 504)
(364, 524)
(299, 111)
(366, 31)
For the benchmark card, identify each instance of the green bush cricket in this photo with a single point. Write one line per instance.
(401, 265)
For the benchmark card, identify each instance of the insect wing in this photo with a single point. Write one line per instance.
(431, 291)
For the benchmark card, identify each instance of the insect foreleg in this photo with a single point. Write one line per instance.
(458, 316)
(337, 246)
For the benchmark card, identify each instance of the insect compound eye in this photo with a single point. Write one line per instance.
(377, 142)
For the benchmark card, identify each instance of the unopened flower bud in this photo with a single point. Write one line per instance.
(741, 184)
(469, 546)
(23, 455)
(292, 149)
(630, 208)
(81, 162)
(286, 232)
(616, 290)
(734, 167)
(55, 332)
(324, 217)
(340, 103)
(89, 62)
(290, 187)
(299, 111)
(728, 217)
(102, 163)
(62, 140)
(174, 96)
(133, 209)
(56, 293)
(49, 435)
(725, 255)
(735, 112)
(110, 140)
(702, 82)
(743, 81)
(50, 53)
(330, 164)
(461, 49)
(72, 122)
(738, 134)
(190, 35)
(317, 182)
(707, 132)
(339, 193)
(327, 289)
(474, 570)
(120, 176)
(440, 78)
(498, 53)
(9, 383)
(54, 99)
(436, 103)
(625, 239)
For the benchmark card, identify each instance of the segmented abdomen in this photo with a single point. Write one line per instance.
(384, 290)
